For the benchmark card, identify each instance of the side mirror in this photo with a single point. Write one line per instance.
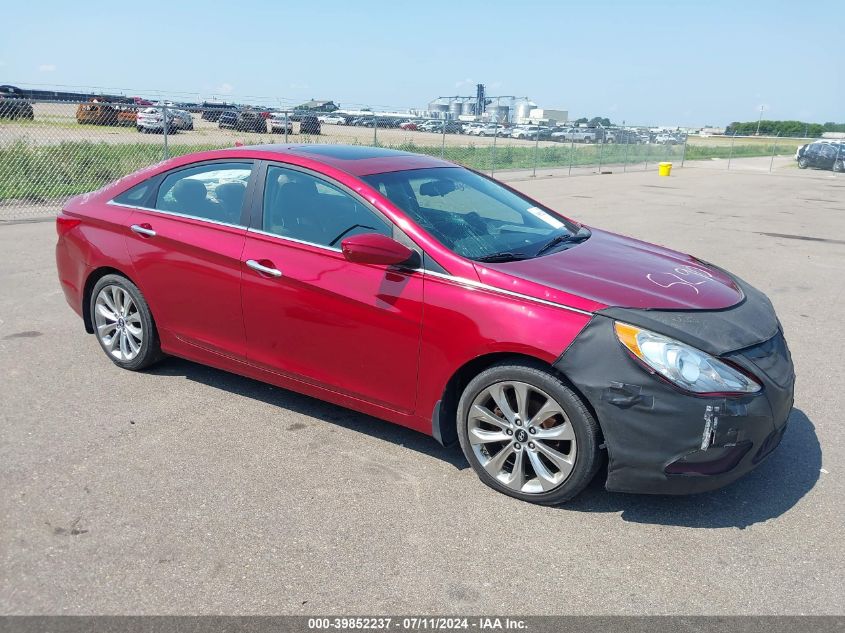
(373, 248)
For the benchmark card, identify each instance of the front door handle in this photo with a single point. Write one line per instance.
(143, 230)
(273, 272)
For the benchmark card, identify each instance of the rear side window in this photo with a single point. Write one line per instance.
(137, 195)
(215, 191)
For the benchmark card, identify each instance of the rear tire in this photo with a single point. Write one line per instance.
(123, 323)
(527, 434)
(839, 166)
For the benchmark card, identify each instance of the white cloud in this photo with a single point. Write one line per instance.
(464, 83)
(225, 89)
(47, 68)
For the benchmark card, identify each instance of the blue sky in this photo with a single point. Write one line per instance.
(656, 63)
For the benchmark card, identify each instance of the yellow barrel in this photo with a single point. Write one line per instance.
(664, 169)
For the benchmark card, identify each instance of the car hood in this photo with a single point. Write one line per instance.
(614, 270)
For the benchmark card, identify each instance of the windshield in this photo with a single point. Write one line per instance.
(471, 215)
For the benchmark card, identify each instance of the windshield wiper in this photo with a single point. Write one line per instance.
(504, 256)
(563, 238)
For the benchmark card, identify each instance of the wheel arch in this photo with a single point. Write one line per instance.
(444, 423)
(90, 282)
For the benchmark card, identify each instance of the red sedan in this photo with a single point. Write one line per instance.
(429, 295)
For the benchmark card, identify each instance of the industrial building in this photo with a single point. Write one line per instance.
(517, 111)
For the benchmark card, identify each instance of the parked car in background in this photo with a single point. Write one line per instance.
(332, 119)
(14, 105)
(409, 125)
(577, 135)
(182, 119)
(473, 128)
(665, 139)
(105, 113)
(309, 125)
(803, 148)
(449, 127)
(243, 120)
(280, 123)
(490, 129)
(211, 111)
(626, 137)
(823, 156)
(152, 120)
(531, 132)
(296, 115)
(415, 290)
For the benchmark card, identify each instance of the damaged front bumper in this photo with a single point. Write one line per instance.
(663, 440)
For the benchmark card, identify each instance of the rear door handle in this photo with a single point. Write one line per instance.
(143, 230)
(273, 272)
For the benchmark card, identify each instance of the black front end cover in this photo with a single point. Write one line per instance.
(663, 440)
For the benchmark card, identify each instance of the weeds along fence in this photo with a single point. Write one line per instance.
(59, 149)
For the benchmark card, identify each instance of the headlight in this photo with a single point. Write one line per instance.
(686, 366)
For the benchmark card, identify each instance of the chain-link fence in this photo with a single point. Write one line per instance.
(51, 150)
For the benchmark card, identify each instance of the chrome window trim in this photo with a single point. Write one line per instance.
(482, 286)
(176, 214)
(294, 240)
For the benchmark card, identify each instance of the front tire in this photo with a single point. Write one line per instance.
(839, 166)
(527, 434)
(803, 163)
(123, 323)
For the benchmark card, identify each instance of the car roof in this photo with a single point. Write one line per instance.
(358, 160)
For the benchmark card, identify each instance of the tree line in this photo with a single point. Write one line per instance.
(783, 128)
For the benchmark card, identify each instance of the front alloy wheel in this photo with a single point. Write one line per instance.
(526, 433)
(522, 437)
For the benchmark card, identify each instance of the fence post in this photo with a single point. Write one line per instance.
(774, 149)
(375, 129)
(601, 153)
(536, 151)
(443, 141)
(286, 126)
(164, 130)
(684, 151)
(493, 149)
(627, 142)
(571, 153)
(731, 155)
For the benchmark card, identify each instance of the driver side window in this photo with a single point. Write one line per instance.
(306, 208)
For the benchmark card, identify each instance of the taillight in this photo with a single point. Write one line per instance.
(64, 223)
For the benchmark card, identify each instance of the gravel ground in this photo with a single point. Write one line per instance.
(188, 490)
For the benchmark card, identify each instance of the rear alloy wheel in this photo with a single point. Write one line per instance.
(527, 434)
(839, 165)
(123, 323)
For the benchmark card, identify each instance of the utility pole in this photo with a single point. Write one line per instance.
(759, 119)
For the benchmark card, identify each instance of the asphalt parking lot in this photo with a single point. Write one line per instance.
(188, 490)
